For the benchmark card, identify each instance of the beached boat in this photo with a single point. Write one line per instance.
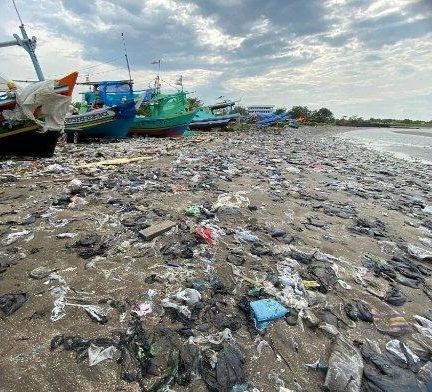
(32, 118)
(7, 89)
(36, 120)
(167, 116)
(7, 97)
(107, 111)
(207, 118)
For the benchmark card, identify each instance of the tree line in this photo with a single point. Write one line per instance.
(325, 116)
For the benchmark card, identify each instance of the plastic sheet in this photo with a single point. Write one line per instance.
(98, 354)
(345, 367)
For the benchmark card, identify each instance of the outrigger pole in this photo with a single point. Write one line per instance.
(29, 44)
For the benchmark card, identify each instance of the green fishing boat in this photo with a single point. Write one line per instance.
(168, 115)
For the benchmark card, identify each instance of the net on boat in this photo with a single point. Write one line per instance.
(39, 102)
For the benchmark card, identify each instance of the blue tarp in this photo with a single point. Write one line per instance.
(275, 118)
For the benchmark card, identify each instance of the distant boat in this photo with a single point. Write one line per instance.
(168, 116)
(36, 120)
(207, 118)
(107, 111)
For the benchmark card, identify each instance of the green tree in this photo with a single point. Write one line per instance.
(322, 115)
(241, 109)
(355, 119)
(280, 111)
(194, 103)
(299, 111)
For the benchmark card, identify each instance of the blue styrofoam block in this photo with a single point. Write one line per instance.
(266, 310)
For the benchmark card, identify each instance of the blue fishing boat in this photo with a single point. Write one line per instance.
(214, 116)
(107, 111)
(205, 119)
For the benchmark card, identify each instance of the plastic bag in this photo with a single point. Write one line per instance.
(235, 200)
(166, 303)
(245, 236)
(143, 308)
(206, 234)
(189, 296)
(98, 354)
(401, 351)
(419, 253)
(345, 367)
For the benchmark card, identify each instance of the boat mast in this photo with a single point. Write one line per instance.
(127, 60)
(29, 44)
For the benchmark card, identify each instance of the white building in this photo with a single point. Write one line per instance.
(261, 109)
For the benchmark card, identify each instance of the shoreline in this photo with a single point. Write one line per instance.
(385, 143)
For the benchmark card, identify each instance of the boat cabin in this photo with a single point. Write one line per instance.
(106, 94)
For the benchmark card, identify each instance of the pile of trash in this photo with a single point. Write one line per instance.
(248, 261)
(276, 119)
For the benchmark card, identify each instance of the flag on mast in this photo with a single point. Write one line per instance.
(155, 62)
(179, 81)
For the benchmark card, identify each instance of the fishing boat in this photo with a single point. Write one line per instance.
(207, 117)
(32, 125)
(63, 86)
(167, 115)
(32, 117)
(106, 111)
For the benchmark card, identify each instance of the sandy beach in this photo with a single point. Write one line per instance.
(242, 210)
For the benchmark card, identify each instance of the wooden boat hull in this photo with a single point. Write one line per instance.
(7, 103)
(65, 86)
(173, 126)
(205, 119)
(173, 131)
(210, 123)
(111, 123)
(27, 140)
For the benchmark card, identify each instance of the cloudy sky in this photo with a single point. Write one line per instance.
(369, 58)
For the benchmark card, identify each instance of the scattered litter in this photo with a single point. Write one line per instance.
(236, 231)
(345, 368)
(12, 237)
(317, 365)
(98, 354)
(143, 308)
(10, 303)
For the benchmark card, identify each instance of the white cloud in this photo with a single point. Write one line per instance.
(350, 78)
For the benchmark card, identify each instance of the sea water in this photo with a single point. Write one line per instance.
(405, 143)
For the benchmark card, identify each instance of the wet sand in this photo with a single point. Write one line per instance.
(415, 133)
(284, 179)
